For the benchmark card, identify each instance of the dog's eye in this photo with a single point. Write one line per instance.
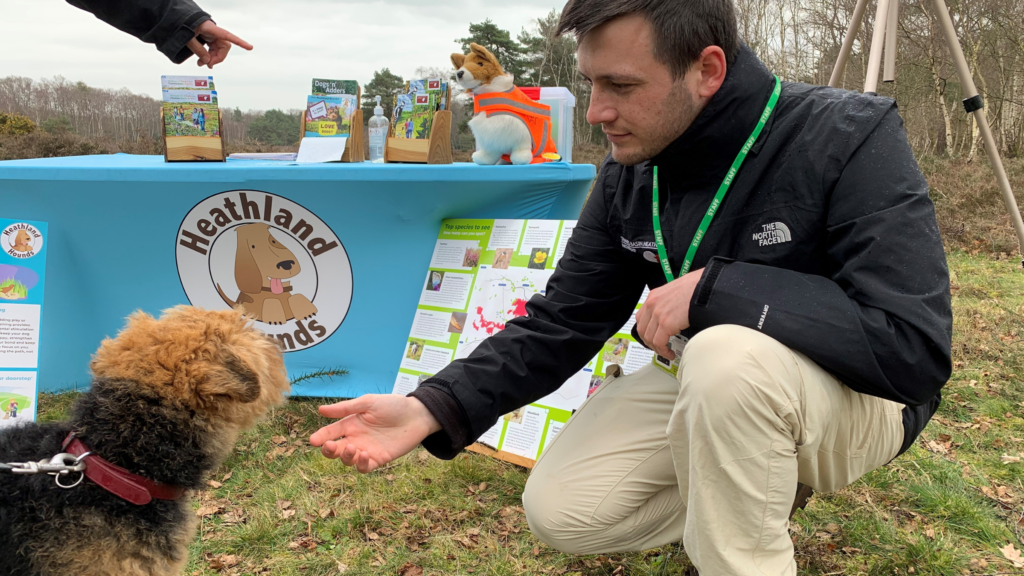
(254, 246)
(479, 63)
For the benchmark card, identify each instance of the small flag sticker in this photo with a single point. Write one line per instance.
(422, 99)
(202, 83)
(203, 97)
(434, 84)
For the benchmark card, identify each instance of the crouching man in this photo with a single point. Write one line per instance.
(785, 229)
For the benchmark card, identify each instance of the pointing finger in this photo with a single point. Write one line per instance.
(236, 40)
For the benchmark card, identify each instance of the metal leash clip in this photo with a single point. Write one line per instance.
(60, 465)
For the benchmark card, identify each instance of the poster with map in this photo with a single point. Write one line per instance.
(480, 277)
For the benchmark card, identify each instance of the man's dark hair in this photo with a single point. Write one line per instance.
(682, 28)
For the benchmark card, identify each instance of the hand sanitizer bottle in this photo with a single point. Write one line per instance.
(378, 126)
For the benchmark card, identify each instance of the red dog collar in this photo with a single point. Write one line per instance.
(117, 480)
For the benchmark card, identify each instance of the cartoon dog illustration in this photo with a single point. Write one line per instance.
(261, 266)
(21, 242)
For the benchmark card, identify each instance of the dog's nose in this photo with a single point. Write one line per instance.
(459, 74)
(286, 264)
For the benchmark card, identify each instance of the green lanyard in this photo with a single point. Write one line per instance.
(659, 237)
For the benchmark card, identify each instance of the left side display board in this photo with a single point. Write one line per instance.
(22, 271)
(481, 275)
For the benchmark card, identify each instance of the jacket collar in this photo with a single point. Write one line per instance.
(708, 147)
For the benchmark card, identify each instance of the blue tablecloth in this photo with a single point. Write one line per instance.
(133, 232)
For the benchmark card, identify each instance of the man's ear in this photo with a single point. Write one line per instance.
(458, 60)
(712, 67)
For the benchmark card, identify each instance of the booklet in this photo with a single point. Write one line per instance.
(481, 275)
(187, 83)
(322, 87)
(413, 115)
(22, 278)
(191, 113)
(330, 115)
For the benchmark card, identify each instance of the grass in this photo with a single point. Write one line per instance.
(946, 507)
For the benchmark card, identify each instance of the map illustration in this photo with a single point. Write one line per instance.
(498, 297)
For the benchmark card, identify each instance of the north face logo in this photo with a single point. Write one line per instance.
(774, 233)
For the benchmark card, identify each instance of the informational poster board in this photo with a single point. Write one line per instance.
(481, 275)
(22, 268)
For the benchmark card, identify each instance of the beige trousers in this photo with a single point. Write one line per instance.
(712, 459)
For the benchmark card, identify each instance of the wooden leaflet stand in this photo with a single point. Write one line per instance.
(435, 150)
(501, 455)
(355, 146)
(193, 148)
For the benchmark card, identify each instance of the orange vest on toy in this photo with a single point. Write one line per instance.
(535, 115)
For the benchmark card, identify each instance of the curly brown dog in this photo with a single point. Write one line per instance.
(169, 397)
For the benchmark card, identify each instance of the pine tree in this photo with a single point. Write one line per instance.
(500, 43)
(386, 85)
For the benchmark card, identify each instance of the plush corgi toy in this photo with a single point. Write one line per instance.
(507, 124)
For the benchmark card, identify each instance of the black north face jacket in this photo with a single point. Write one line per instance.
(827, 241)
(169, 24)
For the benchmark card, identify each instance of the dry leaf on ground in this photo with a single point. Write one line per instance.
(223, 561)
(209, 510)
(410, 569)
(1013, 555)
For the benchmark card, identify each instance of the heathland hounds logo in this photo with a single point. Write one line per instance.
(273, 257)
(21, 240)
(774, 233)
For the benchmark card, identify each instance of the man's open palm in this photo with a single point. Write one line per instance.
(373, 430)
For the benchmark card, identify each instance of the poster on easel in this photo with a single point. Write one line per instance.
(22, 270)
(480, 277)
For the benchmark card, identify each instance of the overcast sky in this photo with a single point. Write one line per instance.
(295, 41)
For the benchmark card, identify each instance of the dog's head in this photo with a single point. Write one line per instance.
(213, 362)
(260, 258)
(21, 238)
(478, 68)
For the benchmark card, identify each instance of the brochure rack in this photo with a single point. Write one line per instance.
(355, 146)
(193, 148)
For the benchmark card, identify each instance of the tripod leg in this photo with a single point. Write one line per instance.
(971, 102)
(891, 28)
(851, 35)
(877, 42)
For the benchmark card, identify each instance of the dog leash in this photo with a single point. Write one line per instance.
(59, 466)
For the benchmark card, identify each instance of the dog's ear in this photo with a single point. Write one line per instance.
(458, 60)
(247, 272)
(234, 379)
(484, 53)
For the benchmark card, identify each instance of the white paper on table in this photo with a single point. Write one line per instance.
(322, 149)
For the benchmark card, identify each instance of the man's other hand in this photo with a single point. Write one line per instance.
(374, 429)
(666, 312)
(218, 41)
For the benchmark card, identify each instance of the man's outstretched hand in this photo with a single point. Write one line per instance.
(218, 41)
(666, 312)
(374, 429)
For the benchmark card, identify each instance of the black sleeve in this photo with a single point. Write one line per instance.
(589, 297)
(169, 24)
(882, 321)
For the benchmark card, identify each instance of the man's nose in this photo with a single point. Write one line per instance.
(599, 112)
(459, 74)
